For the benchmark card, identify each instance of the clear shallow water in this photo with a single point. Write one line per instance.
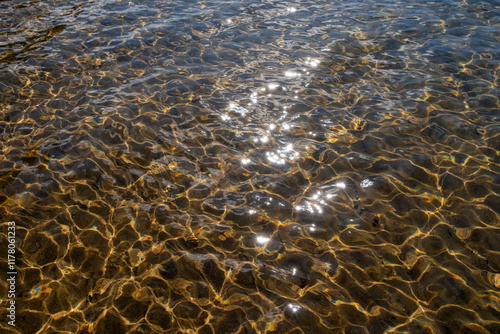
(252, 167)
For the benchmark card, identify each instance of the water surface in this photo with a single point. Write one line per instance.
(252, 166)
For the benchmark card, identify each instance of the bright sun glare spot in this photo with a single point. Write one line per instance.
(312, 62)
(315, 204)
(292, 74)
(262, 240)
(274, 158)
(340, 185)
(283, 154)
(366, 183)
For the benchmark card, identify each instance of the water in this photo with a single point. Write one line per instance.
(252, 166)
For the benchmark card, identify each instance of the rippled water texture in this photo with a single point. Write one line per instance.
(251, 166)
